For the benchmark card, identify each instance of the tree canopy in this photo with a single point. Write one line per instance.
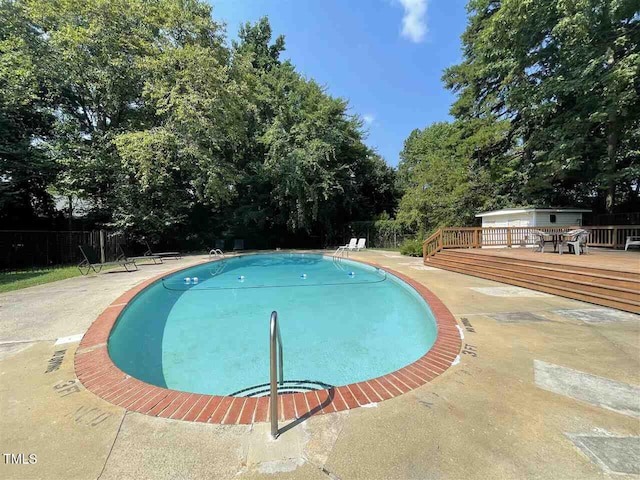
(146, 113)
(547, 113)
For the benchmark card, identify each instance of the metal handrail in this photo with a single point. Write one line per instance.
(275, 340)
(339, 251)
(216, 252)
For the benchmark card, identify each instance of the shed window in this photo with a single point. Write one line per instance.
(552, 218)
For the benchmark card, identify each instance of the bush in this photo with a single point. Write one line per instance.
(411, 247)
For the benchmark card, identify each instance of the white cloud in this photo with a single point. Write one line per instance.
(414, 22)
(368, 118)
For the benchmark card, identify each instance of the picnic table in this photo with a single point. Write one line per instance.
(568, 238)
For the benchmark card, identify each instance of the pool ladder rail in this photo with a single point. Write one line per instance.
(276, 367)
(216, 252)
(341, 252)
(218, 268)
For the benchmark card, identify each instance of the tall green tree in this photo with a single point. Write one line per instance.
(184, 156)
(25, 122)
(92, 57)
(445, 176)
(166, 131)
(307, 168)
(565, 75)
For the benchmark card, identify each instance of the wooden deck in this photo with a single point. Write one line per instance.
(604, 277)
(597, 258)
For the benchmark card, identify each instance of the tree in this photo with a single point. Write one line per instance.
(91, 56)
(445, 184)
(25, 169)
(185, 154)
(307, 170)
(565, 75)
(165, 131)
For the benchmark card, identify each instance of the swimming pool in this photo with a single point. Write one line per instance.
(342, 322)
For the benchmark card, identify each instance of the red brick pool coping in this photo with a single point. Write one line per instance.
(100, 375)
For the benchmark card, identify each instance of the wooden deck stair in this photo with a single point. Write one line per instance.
(601, 286)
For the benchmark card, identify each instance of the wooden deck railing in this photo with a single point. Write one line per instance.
(476, 237)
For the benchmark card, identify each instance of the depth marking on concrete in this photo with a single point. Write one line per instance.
(509, 292)
(597, 315)
(69, 339)
(612, 454)
(602, 392)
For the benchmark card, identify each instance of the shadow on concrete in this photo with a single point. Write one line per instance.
(310, 413)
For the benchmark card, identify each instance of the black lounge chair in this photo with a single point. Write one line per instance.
(92, 260)
(124, 256)
(238, 244)
(150, 252)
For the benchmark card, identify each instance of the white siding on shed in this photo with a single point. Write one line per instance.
(563, 219)
(511, 220)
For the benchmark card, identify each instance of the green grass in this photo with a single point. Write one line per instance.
(30, 278)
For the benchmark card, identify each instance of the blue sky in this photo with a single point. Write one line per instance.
(385, 56)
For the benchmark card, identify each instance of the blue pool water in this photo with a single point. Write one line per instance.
(341, 322)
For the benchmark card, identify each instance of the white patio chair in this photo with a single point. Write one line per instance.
(361, 244)
(577, 239)
(632, 241)
(352, 244)
(540, 240)
(348, 247)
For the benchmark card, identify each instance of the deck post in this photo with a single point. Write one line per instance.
(509, 237)
(614, 239)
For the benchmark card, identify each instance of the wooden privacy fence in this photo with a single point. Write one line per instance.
(28, 249)
(477, 237)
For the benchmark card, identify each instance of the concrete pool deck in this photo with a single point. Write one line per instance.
(547, 388)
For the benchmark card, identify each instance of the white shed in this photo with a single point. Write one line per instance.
(533, 217)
